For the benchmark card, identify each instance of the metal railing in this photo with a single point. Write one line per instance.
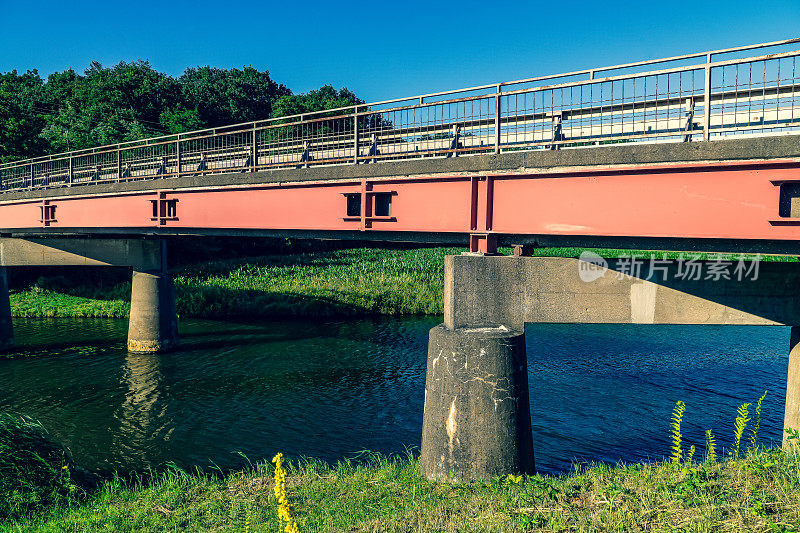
(706, 101)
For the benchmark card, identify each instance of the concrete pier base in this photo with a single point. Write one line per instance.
(791, 417)
(6, 327)
(153, 325)
(477, 420)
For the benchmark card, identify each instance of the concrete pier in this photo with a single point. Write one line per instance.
(477, 416)
(153, 325)
(477, 421)
(6, 327)
(791, 417)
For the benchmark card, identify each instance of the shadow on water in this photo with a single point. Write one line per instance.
(329, 389)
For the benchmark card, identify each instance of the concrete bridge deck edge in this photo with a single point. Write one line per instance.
(783, 147)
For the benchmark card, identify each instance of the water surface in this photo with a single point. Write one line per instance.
(330, 389)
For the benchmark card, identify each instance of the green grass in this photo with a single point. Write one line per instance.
(34, 303)
(363, 281)
(761, 492)
(345, 282)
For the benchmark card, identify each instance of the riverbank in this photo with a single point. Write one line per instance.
(758, 493)
(351, 282)
(355, 282)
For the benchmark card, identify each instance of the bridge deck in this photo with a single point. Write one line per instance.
(732, 195)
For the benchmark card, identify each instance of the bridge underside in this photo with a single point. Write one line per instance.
(729, 195)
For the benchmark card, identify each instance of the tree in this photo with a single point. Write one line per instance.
(21, 117)
(326, 97)
(223, 97)
(108, 105)
(130, 101)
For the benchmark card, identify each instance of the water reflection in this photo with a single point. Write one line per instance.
(142, 415)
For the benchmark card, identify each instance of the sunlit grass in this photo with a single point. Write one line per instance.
(760, 492)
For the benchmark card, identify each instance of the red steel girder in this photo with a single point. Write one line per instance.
(736, 200)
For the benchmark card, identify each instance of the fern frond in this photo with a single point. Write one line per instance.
(690, 455)
(711, 447)
(739, 427)
(675, 427)
(756, 425)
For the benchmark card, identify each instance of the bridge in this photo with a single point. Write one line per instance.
(699, 152)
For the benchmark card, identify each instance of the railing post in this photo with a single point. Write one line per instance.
(707, 99)
(178, 155)
(119, 164)
(497, 121)
(32, 175)
(71, 173)
(255, 149)
(355, 136)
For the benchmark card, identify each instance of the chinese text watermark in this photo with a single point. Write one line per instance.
(688, 267)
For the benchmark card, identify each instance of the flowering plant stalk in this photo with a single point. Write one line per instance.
(284, 511)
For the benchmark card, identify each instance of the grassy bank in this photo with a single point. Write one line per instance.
(364, 281)
(335, 283)
(758, 493)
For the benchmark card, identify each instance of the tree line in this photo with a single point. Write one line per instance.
(132, 100)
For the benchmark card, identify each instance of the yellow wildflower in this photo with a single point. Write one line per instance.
(284, 511)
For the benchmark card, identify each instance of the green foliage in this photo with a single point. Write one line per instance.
(355, 282)
(229, 96)
(36, 303)
(792, 438)
(130, 101)
(711, 448)
(739, 427)
(690, 455)
(21, 117)
(34, 470)
(756, 425)
(106, 105)
(675, 429)
(326, 97)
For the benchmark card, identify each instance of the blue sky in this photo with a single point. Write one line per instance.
(380, 49)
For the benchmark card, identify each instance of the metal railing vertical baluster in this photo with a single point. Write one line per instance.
(119, 164)
(707, 99)
(355, 135)
(255, 148)
(178, 157)
(497, 110)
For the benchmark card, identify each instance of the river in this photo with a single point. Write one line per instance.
(237, 391)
